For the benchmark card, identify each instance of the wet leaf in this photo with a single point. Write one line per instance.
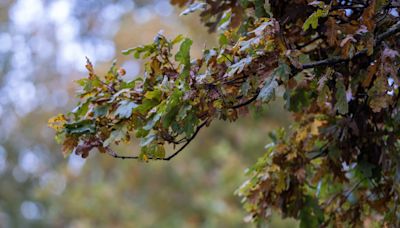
(80, 127)
(193, 8)
(267, 93)
(341, 101)
(125, 109)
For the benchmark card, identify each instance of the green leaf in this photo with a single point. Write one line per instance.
(298, 99)
(137, 52)
(140, 133)
(128, 51)
(101, 110)
(311, 214)
(80, 127)
(244, 89)
(172, 108)
(153, 150)
(147, 140)
(177, 39)
(183, 112)
(125, 109)
(225, 21)
(150, 124)
(81, 109)
(268, 90)
(244, 3)
(159, 151)
(116, 136)
(88, 84)
(146, 106)
(128, 84)
(312, 20)
(193, 8)
(365, 168)
(223, 40)
(282, 72)
(59, 137)
(239, 66)
(155, 94)
(183, 55)
(260, 9)
(341, 101)
(190, 124)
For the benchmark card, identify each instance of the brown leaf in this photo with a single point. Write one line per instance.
(102, 150)
(331, 32)
(378, 98)
(237, 17)
(370, 74)
(181, 3)
(89, 67)
(347, 47)
(300, 174)
(367, 17)
(292, 83)
(379, 205)
(84, 149)
(347, 39)
(69, 144)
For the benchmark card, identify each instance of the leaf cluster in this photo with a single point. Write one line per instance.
(337, 63)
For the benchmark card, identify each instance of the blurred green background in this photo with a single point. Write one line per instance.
(43, 44)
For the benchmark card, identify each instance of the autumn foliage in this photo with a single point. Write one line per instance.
(336, 64)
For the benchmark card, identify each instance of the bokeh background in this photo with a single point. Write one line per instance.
(43, 44)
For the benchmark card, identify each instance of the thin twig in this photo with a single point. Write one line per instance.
(248, 101)
(231, 61)
(390, 32)
(325, 62)
(347, 7)
(115, 155)
(308, 43)
(187, 143)
(336, 60)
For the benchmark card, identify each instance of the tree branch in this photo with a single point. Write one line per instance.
(112, 153)
(325, 62)
(187, 143)
(339, 7)
(336, 60)
(248, 101)
(390, 32)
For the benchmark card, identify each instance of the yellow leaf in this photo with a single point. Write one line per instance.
(274, 168)
(217, 104)
(301, 135)
(292, 155)
(281, 183)
(316, 125)
(145, 158)
(57, 122)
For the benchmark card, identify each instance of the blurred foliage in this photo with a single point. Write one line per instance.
(42, 52)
